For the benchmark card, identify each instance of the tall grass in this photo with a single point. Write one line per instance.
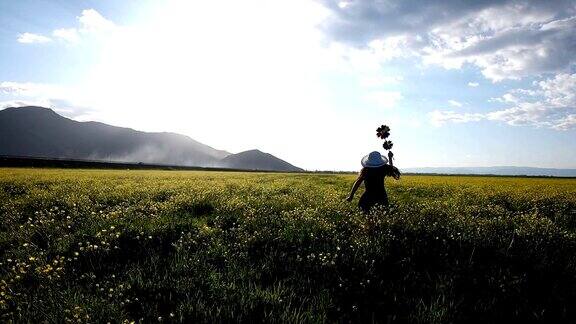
(148, 246)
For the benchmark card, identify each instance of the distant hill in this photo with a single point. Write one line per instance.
(256, 160)
(40, 132)
(498, 170)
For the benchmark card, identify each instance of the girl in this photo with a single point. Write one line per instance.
(375, 169)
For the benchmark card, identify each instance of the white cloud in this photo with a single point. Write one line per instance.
(90, 22)
(509, 97)
(439, 118)
(384, 99)
(560, 91)
(551, 104)
(20, 88)
(455, 103)
(60, 106)
(515, 52)
(506, 39)
(22, 103)
(29, 38)
(29, 89)
(70, 35)
(390, 47)
(566, 123)
(64, 100)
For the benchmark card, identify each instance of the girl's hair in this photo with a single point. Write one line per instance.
(394, 172)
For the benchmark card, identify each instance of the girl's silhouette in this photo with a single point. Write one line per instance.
(375, 169)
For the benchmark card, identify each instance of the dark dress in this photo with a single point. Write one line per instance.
(375, 193)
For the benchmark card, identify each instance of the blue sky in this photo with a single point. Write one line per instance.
(483, 83)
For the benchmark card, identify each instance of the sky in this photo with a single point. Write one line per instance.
(460, 83)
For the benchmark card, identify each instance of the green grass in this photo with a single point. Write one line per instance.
(180, 246)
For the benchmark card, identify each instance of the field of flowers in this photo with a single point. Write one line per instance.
(185, 246)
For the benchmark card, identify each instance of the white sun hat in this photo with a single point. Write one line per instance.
(374, 160)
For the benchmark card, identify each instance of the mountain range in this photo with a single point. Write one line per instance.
(41, 132)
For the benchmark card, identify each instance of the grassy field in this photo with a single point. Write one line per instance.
(186, 246)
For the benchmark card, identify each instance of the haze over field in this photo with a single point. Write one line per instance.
(462, 84)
